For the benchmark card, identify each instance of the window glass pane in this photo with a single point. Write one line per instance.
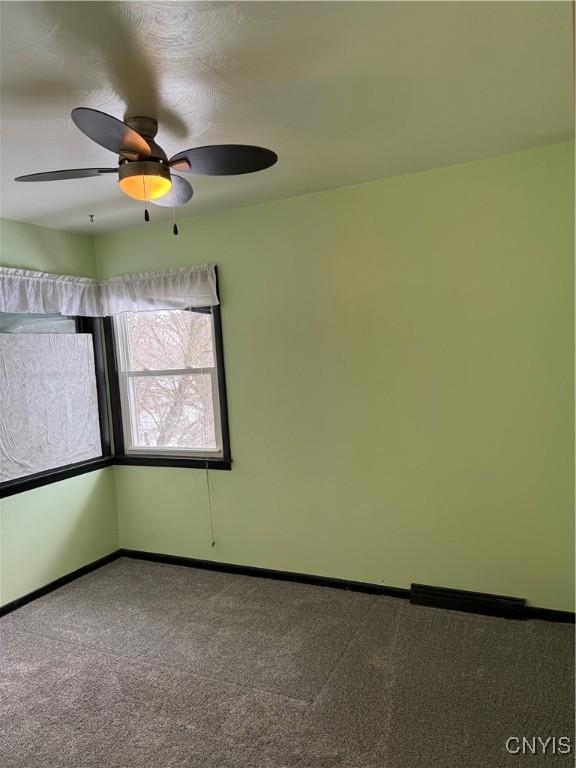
(21, 323)
(169, 339)
(173, 411)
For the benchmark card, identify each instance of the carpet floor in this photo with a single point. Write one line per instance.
(143, 665)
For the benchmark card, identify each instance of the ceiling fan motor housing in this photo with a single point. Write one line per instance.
(145, 126)
(148, 128)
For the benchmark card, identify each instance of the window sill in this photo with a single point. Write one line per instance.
(173, 461)
(22, 484)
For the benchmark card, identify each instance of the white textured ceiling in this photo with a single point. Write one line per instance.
(343, 92)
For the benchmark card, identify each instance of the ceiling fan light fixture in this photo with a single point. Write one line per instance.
(145, 180)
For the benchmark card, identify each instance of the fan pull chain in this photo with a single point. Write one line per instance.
(174, 225)
(146, 214)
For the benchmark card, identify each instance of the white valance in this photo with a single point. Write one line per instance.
(173, 289)
(25, 291)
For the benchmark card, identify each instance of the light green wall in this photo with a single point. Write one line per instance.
(50, 531)
(399, 364)
(56, 529)
(27, 246)
(400, 381)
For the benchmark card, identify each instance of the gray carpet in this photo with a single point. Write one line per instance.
(154, 666)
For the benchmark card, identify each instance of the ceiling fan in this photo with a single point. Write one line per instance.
(144, 171)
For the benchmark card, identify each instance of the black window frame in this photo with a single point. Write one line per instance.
(154, 460)
(93, 326)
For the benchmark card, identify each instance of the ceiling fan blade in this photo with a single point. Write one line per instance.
(72, 173)
(224, 159)
(180, 193)
(111, 133)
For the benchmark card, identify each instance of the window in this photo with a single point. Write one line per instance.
(162, 390)
(168, 388)
(52, 399)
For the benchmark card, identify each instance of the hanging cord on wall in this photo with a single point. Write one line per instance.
(146, 214)
(174, 225)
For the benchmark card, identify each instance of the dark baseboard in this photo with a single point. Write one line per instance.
(469, 603)
(544, 614)
(266, 573)
(20, 601)
(550, 614)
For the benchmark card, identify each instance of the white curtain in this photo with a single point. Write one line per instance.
(25, 291)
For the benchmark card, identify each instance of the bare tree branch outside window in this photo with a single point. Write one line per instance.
(172, 410)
